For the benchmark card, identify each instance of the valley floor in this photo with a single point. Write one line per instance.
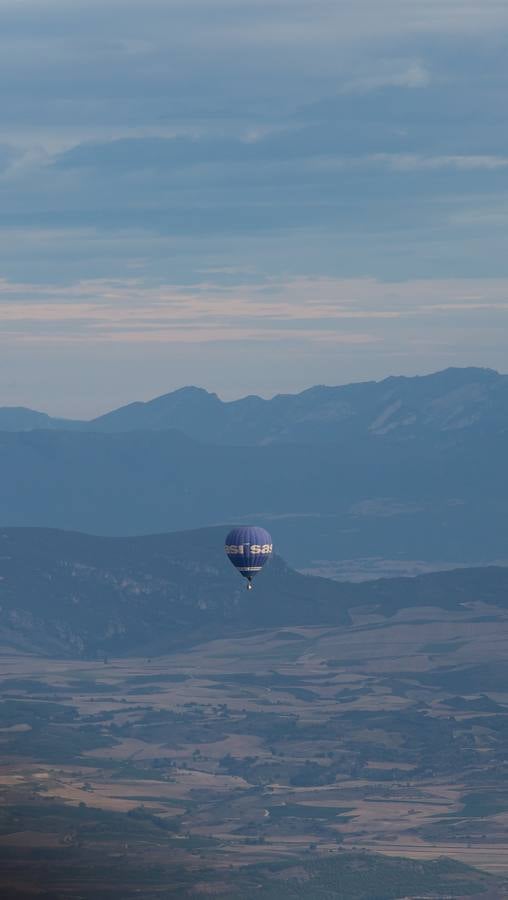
(271, 759)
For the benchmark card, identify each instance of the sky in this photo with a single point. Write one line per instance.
(253, 196)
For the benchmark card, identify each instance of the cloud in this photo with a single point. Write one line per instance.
(199, 118)
(413, 162)
(312, 310)
(309, 157)
(400, 126)
(487, 213)
(197, 63)
(8, 155)
(410, 75)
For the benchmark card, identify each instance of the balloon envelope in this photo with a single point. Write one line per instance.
(248, 548)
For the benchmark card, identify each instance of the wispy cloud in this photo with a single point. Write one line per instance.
(414, 162)
(391, 73)
(336, 171)
(306, 309)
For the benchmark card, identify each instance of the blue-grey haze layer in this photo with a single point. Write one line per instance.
(401, 470)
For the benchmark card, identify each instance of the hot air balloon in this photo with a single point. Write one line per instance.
(248, 548)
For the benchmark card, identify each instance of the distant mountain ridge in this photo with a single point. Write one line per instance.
(408, 472)
(20, 418)
(77, 594)
(451, 401)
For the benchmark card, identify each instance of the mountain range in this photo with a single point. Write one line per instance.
(400, 476)
(450, 401)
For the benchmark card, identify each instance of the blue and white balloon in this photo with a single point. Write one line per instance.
(249, 548)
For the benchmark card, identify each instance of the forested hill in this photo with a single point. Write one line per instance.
(76, 594)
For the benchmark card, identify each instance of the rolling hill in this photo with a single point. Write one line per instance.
(76, 594)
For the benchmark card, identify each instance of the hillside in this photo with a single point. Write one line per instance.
(19, 418)
(63, 591)
(75, 594)
(448, 401)
(164, 732)
(451, 401)
(446, 503)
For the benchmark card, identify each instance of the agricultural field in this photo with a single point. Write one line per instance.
(330, 760)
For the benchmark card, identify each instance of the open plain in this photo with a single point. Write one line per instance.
(278, 747)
